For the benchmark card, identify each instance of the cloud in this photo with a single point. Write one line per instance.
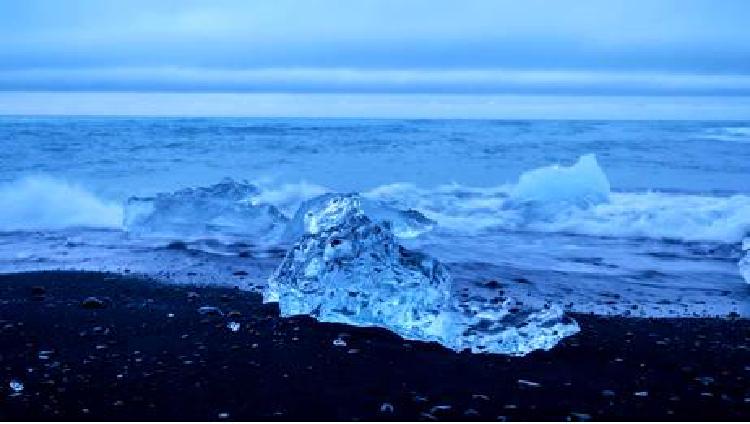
(475, 81)
(330, 105)
(373, 45)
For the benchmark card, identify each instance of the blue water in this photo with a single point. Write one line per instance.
(665, 240)
(116, 156)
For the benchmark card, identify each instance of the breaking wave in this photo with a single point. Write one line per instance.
(288, 197)
(572, 199)
(649, 214)
(575, 199)
(38, 202)
(735, 134)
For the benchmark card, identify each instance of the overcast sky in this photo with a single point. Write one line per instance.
(596, 47)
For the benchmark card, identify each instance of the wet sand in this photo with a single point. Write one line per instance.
(91, 346)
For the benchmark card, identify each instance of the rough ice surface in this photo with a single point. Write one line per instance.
(582, 184)
(349, 269)
(223, 208)
(745, 261)
(327, 210)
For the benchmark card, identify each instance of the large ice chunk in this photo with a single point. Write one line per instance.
(349, 269)
(745, 261)
(327, 210)
(581, 184)
(221, 209)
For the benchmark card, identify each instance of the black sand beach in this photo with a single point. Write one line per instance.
(143, 351)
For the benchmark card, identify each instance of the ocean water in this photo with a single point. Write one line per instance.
(640, 217)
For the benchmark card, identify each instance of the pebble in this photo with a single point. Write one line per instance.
(440, 408)
(16, 386)
(92, 303)
(210, 310)
(580, 416)
(419, 398)
(528, 383)
(386, 408)
(705, 380)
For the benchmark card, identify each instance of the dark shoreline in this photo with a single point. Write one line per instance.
(129, 360)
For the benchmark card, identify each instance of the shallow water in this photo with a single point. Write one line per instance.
(662, 241)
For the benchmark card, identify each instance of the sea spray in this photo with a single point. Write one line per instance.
(41, 202)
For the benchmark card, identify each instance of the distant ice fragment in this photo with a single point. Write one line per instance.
(233, 326)
(326, 211)
(581, 184)
(223, 208)
(346, 268)
(745, 261)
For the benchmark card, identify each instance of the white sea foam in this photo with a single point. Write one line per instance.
(736, 134)
(574, 199)
(39, 202)
(288, 197)
(659, 215)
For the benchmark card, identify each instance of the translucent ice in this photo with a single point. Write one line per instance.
(583, 183)
(223, 208)
(323, 212)
(349, 269)
(745, 261)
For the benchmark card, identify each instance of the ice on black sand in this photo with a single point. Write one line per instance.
(349, 269)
